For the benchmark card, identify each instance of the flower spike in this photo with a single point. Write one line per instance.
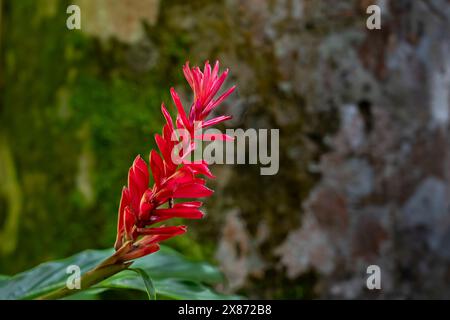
(141, 206)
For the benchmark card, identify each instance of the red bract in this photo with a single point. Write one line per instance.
(205, 85)
(141, 207)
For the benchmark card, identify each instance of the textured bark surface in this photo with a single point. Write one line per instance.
(364, 173)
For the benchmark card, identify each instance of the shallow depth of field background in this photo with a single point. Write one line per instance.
(363, 118)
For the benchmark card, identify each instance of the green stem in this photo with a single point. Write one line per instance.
(107, 268)
(89, 279)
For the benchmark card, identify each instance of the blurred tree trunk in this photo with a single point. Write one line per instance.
(364, 159)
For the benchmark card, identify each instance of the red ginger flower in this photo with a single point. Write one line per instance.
(140, 206)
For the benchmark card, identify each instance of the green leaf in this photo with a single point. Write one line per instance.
(48, 276)
(151, 292)
(173, 276)
(170, 288)
(168, 263)
(90, 294)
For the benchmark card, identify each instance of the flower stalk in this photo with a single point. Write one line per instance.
(143, 208)
(107, 268)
